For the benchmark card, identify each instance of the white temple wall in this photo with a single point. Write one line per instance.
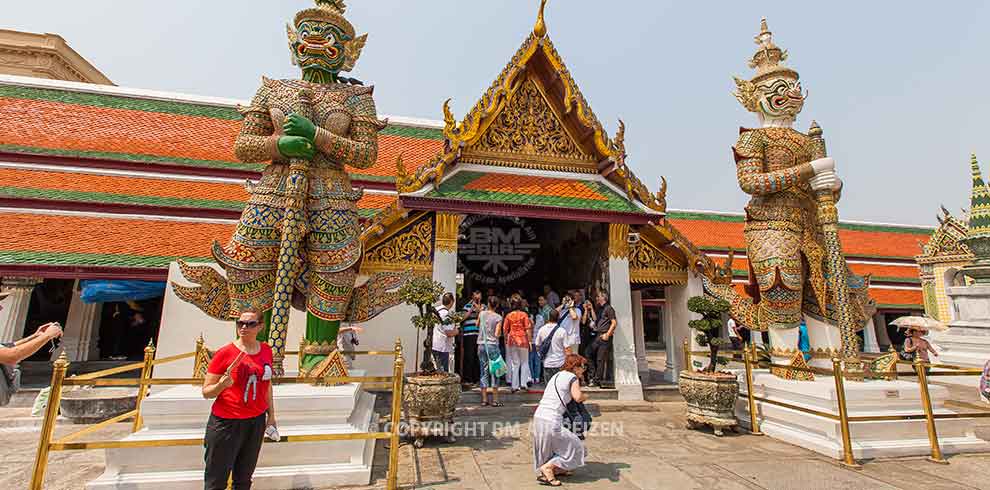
(676, 317)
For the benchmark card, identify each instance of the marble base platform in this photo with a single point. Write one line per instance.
(181, 412)
(869, 439)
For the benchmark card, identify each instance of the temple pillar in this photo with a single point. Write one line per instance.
(639, 333)
(676, 317)
(445, 256)
(81, 326)
(623, 343)
(15, 306)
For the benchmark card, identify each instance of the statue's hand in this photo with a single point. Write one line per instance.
(823, 165)
(824, 181)
(296, 125)
(296, 147)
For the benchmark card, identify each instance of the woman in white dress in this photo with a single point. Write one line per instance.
(557, 450)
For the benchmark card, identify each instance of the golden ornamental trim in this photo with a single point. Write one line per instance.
(409, 248)
(618, 241)
(648, 264)
(430, 173)
(447, 230)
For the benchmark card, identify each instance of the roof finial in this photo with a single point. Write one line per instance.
(540, 29)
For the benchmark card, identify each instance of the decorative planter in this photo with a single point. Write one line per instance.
(429, 403)
(89, 406)
(711, 399)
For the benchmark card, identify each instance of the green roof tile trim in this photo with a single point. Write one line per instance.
(119, 102)
(58, 195)
(700, 216)
(413, 132)
(103, 260)
(892, 306)
(453, 188)
(131, 157)
(741, 253)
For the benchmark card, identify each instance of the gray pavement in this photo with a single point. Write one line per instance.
(646, 447)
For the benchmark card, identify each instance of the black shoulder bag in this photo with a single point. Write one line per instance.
(576, 416)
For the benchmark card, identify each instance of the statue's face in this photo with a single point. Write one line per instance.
(319, 46)
(780, 97)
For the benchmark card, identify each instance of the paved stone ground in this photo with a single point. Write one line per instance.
(652, 451)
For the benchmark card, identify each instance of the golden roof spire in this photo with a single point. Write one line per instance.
(540, 29)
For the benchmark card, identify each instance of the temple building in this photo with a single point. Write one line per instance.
(110, 183)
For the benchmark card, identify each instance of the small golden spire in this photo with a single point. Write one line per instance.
(540, 29)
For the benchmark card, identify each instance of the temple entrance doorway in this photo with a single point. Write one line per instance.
(506, 255)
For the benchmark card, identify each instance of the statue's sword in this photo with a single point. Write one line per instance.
(828, 217)
(290, 262)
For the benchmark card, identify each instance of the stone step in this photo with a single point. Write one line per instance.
(265, 478)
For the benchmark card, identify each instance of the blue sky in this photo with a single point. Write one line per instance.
(900, 88)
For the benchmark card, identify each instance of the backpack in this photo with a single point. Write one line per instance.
(545, 345)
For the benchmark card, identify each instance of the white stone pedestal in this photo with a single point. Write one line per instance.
(869, 439)
(181, 412)
(967, 341)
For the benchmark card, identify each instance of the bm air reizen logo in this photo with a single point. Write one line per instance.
(496, 250)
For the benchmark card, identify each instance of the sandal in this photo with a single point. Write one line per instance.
(549, 483)
(484, 403)
(497, 404)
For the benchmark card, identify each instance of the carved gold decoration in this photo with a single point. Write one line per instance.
(331, 367)
(431, 172)
(202, 360)
(787, 373)
(527, 127)
(409, 249)
(618, 241)
(448, 227)
(648, 264)
(883, 367)
(946, 242)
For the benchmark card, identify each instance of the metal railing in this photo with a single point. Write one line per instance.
(920, 369)
(99, 378)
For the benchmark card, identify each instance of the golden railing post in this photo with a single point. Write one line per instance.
(840, 394)
(302, 354)
(48, 426)
(926, 404)
(393, 450)
(149, 357)
(754, 426)
(686, 348)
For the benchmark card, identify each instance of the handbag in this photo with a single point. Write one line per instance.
(576, 416)
(985, 382)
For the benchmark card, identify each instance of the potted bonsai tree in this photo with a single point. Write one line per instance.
(430, 396)
(710, 394)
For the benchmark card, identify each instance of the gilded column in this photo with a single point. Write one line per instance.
(15, 306)
(623, 345)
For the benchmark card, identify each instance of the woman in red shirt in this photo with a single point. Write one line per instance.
(239, 377)
(518, 335)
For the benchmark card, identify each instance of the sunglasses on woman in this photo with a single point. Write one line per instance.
(247, 324)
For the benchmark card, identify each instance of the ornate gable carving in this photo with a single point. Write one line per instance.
(526, 129)
(648, 264)
(408, 248)
(945, 244)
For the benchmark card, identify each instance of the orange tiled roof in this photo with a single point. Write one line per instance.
(115, 127)
(718, 231)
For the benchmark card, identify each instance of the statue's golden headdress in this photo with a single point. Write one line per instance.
(331, 11)
(767, 62)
